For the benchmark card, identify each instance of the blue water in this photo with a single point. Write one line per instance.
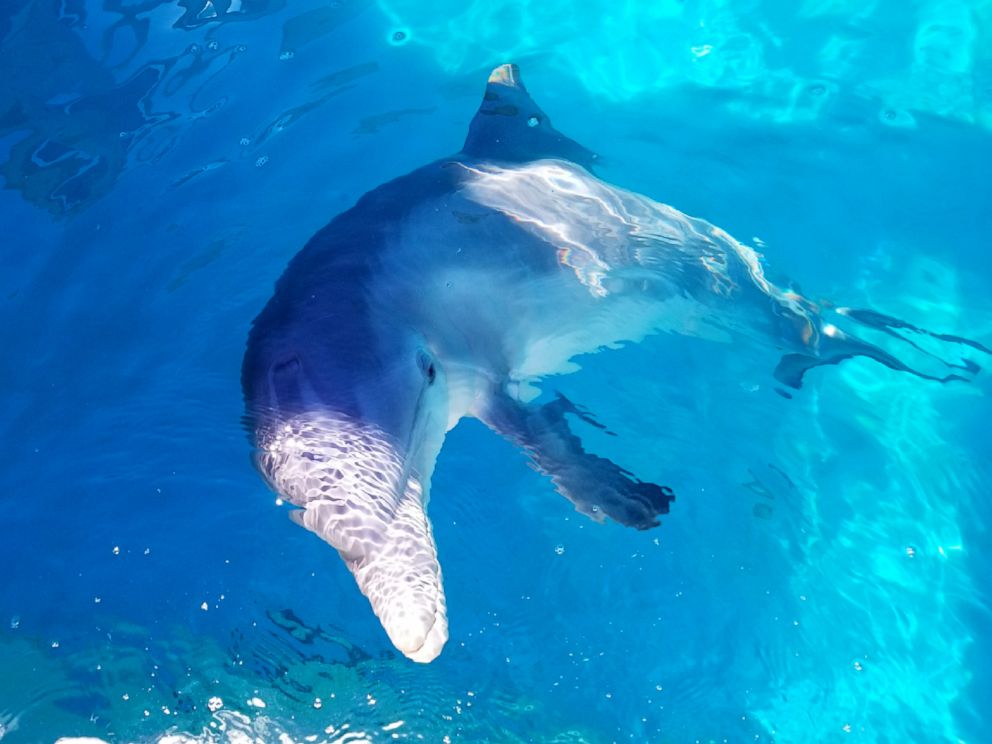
(824, 573)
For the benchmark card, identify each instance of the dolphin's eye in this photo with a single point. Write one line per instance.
(427, 367)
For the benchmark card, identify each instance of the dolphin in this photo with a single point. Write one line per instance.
(449, 293)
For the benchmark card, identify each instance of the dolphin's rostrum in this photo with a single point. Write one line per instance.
(447, 293)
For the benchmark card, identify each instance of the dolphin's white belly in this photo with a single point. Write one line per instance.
(486, 321)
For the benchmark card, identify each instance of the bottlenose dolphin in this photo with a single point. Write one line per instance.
(448, 293)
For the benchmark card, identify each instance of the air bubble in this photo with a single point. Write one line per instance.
(559, 549)
(261, 161)
(533, 121)
(288, 54)
(399, 36)
(897, 118)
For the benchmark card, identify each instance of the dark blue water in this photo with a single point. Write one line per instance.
(824, 573)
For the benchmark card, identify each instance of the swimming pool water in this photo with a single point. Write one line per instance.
(824, 572)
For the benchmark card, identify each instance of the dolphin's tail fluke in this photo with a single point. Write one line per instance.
(357, 496)
(833, 345)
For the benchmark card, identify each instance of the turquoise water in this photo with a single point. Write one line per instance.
(824, 572)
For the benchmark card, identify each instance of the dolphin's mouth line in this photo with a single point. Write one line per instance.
(426, 645)
(417, 426)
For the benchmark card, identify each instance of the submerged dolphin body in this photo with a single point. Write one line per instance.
(444, 294)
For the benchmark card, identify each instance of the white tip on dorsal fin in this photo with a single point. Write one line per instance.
(508, 74)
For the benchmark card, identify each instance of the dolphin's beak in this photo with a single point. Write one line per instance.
(392, 554)
(359, 495)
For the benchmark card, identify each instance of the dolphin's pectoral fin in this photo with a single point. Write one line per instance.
(597, 486)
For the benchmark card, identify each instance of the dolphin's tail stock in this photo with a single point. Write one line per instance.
(924, 353)
(357, 496)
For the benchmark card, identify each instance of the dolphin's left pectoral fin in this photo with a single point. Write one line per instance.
(597, 486)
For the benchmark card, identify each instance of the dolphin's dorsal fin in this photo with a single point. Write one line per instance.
(511, 127)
